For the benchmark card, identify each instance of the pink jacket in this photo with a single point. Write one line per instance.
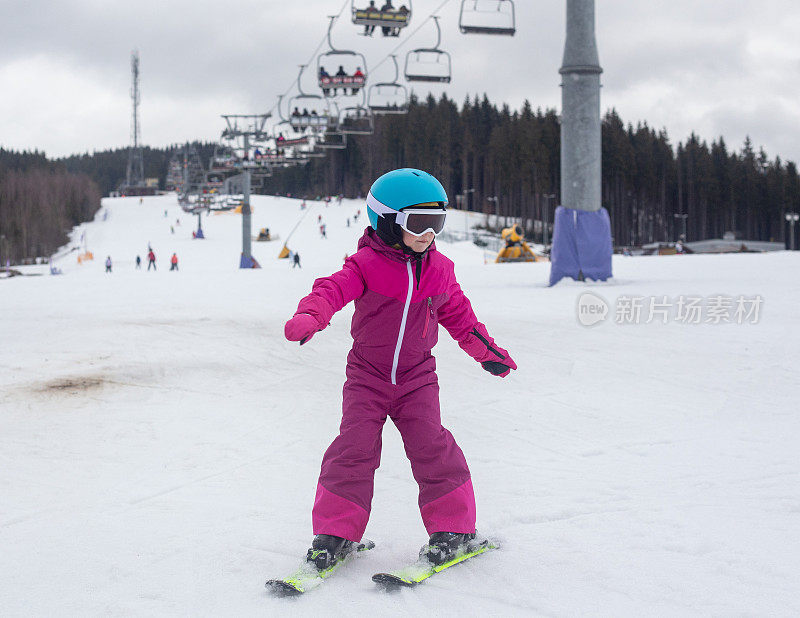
(398, 307)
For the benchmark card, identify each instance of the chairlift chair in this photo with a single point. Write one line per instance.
(388, 97)
(222, 160)
(315, 109)
(372, 17)
(331, 140)
(330, 82)
(296, 159)
(429, 64)
(214, 179)
(487, 17)
(313, 152)
(356, 120)
(292, 142)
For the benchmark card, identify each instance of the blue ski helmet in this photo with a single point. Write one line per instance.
(399, 189)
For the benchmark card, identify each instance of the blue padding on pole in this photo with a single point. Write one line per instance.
(564, 250)
(248, 262)
(581, 245)
(199, 234)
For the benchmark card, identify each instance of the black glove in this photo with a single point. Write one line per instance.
(495, 368)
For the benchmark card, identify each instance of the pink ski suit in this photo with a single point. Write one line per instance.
(390, 371)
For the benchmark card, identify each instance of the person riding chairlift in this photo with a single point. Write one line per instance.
(357, 74)
(387, 7)
(368, 30)
(322, 74)
(340, 73)
(403, 10)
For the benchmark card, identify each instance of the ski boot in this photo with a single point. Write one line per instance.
(444, 546)
(326, 550)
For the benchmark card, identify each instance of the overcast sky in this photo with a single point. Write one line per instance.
(726, 68)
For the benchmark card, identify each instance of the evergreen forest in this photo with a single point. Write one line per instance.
(490, 159)
(481, 152)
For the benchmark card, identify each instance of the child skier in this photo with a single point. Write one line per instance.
(402, 288)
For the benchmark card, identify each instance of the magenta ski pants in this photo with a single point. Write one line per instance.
(344, 491)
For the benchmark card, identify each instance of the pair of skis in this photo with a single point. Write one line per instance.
(308, 577)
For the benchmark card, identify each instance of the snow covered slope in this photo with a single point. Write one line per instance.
(160, 440)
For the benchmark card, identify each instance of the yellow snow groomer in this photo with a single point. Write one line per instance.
(516, 249)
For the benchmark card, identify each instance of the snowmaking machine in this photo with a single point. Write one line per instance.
(516, 249)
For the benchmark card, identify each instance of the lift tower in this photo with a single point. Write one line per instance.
(242, 131)
(582, 229)
(135, 175)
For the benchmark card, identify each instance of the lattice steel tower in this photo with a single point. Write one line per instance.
(135, 175)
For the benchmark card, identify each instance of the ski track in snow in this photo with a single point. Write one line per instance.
(160, 441)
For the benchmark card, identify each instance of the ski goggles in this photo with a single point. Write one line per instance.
(420, 221)
(415, 221)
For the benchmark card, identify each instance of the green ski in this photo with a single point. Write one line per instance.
(422, 569)
(307, 576)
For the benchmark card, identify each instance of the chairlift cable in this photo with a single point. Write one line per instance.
(314, 54)
(385, 58)
(406, 39)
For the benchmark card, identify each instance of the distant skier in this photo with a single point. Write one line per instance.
(402, 288)
(151, 260)
(173, 262)
(322, 231)
(108, 264)
(138, 262)
(296, 260)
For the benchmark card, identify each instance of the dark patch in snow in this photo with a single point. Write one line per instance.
(73, 384)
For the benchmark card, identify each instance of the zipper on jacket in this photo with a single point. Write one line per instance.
(486, 343)
(428, 316)
(403, 323)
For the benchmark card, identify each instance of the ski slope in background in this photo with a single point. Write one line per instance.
(160, 441)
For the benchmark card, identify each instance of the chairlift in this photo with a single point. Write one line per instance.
(390, 20)
(293, 142)
(222, 160)
(282, 133)
(256, 157)
(487, 17)
(295, 159)
(313, 151)
(331, 140)
(429, 64)
(214, 180)
(307, 111)
(353, 78)
(389, 97)
(356, 120)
